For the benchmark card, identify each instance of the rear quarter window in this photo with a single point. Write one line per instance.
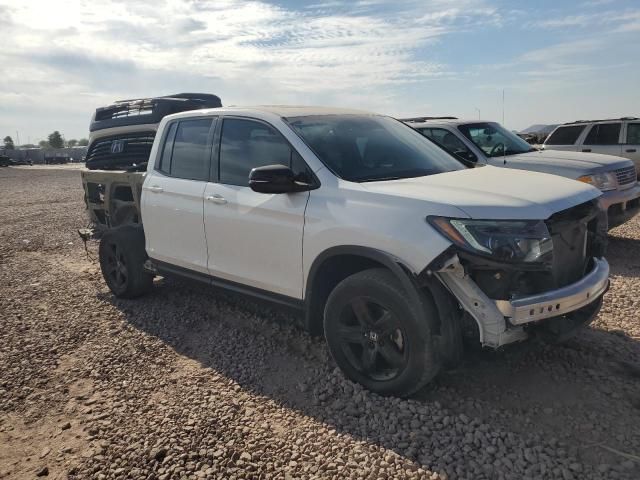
(633, 133)
(565, 135)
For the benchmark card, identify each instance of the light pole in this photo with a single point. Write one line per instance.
(478, 110)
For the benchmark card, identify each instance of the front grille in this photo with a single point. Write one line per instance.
(120, 151)
(573, 232)
(626, 175)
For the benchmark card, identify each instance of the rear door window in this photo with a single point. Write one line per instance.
(633, 133)
(191, 150)
(167, 149)
(604, 134)
(565, 135)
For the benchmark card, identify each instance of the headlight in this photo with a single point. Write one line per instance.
(503, 240)
(603, 181)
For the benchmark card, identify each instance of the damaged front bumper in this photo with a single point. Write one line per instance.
(560, 301)
(503, 321)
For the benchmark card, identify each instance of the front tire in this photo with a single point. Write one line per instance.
(122, 256)
(377, 336)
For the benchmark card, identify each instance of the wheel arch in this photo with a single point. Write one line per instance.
(337, 263)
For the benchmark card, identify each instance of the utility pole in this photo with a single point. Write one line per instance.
(478, 112)
(17, 139)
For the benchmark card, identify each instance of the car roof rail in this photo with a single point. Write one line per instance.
(424, 119)
(601, 120)
(139, 111)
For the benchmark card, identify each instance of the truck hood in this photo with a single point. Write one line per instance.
(564, 163)
(493, 193)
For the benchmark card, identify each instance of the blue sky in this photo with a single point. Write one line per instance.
(556, 61)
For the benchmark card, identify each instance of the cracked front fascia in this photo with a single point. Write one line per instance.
(492, 325)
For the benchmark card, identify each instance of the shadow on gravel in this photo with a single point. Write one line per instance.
(576, 396)
(623, 255)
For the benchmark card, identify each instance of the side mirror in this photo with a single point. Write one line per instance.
(275, 179)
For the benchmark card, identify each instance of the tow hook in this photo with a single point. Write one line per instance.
(86, 234)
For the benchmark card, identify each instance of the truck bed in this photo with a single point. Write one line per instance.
(112, 197)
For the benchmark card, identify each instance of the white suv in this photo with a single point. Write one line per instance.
(388, 244)
(620, 137)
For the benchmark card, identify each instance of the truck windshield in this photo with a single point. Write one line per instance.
(495, 140)
(366, 148)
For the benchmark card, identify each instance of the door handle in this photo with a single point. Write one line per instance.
(586, 149)
(216, 198)
(630, 150)
(156, 189)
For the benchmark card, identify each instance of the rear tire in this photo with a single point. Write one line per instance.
(378, 336)
(126, 216)
(122, 256)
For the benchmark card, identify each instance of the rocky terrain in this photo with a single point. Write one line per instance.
(191, 382)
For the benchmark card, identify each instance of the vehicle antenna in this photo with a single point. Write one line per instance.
(504, 147)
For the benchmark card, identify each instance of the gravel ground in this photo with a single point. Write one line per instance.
(191, 382)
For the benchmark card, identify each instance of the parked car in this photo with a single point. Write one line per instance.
(56, 159)
(21, 161)
(388, 245)
(619, 137)
(488, 143)
(6, 161)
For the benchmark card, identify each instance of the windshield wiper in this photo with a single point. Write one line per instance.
(380, 179)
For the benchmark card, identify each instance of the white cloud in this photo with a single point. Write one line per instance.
(88, 53)
(567, 51)
(619, 20)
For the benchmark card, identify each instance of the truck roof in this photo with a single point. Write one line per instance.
(279, 110)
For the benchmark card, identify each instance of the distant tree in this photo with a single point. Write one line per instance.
(72, 143)
(8, 143)
(43, 144)
(55, 140)
(83, 142)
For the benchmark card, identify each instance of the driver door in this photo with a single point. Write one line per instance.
(254, 238)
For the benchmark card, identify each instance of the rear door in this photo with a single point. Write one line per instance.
(173, 193)
(604, 138)
(565, 138)
(631, 147)
(254, 239)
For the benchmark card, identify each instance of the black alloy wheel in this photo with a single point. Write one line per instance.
(116, 266)
(379, 334)
(372, 339)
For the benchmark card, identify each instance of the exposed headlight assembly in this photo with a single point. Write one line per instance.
(502, 240)
(604, 181)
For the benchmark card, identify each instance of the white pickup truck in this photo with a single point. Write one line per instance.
(389, 245)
